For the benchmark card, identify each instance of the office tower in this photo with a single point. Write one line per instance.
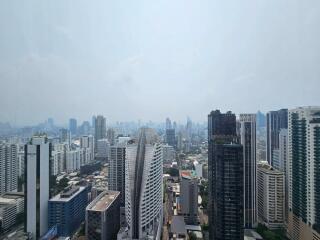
(102, 149)
(225, 177)
(67, 210)
(189, 197)
(73, 127)
(116, 170)
(304, 173)
(168, 153)
(171, 137)
(103, 216)
(87, 142)
(8, 168)
(37, 187)
(168, 124)
(276, 120)
(111, 136)
(270, 196)
(143, 183)
(100, 129)
(248, 141)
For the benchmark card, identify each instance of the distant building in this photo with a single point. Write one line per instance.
(198, 167)
(189, 197)
(37, 187)
(87, 142)
(248, 141)
(270, 196)
(103, 216)
(100, 129)
(8, 214)
(304, 173)
(276, 120)
(73, 127)
(171, 137)
(73, 160)
(169, 154)
(111, 136)
(8, 168)
(67, 210)
(65, 136)
(225, 178)
(56, 163)
(102, 149)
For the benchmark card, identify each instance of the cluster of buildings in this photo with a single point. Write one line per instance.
(281, 192)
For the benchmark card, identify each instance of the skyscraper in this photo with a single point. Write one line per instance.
(225, 176)
(171, 137)
(8, 168)
(116, 170)
(304, 173)
(276, 120)
(143, 183)
(168, 123)
(73, 127)
(99, 129)
(87, 142)
(37, 187)
(248, 141)
(65, 136)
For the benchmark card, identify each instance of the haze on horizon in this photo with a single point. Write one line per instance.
(147, 60)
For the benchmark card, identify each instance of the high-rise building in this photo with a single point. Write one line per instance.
(189, 197)
(143, 183)
(304, 173)
(87, 142)
(65, 136)
(103, 216)
(169, 154)
(8, 168)
(73, 160)
(116, 170)
(111, 136)
(168, 124)
(116, 175)
(73, 127)
(37, 187)
(276, 120)
(270, 196)
(102, 149)
(225, 176)
(248, 141)
(171, 137)
(67, 210)
(100, 129)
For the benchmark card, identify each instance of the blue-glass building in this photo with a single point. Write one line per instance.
(67, 210)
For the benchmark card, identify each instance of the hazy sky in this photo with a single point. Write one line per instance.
(149, 59)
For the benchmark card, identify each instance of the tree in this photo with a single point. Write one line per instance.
(192, 236)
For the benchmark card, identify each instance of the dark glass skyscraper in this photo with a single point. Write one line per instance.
(276, 120)
(73, 126)
(225, 160)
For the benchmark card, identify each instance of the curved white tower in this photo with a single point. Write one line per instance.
(143, 184)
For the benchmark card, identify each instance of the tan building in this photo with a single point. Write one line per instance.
(270, 196)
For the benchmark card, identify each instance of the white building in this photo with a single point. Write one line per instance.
(8, 168)
(56, 162)
(87, 142)
(169, 154)
(37, 185)
(143, 185)
(73, 160)
(270, 196)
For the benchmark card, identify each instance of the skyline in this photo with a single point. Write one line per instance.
(147, 59)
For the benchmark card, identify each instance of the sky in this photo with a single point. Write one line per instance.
(149, 60)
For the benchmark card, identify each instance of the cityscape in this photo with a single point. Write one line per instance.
(159, 120)
(240, 176)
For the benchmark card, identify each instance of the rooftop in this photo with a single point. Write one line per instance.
(103, 201)
(265, 167)
(67, 195)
